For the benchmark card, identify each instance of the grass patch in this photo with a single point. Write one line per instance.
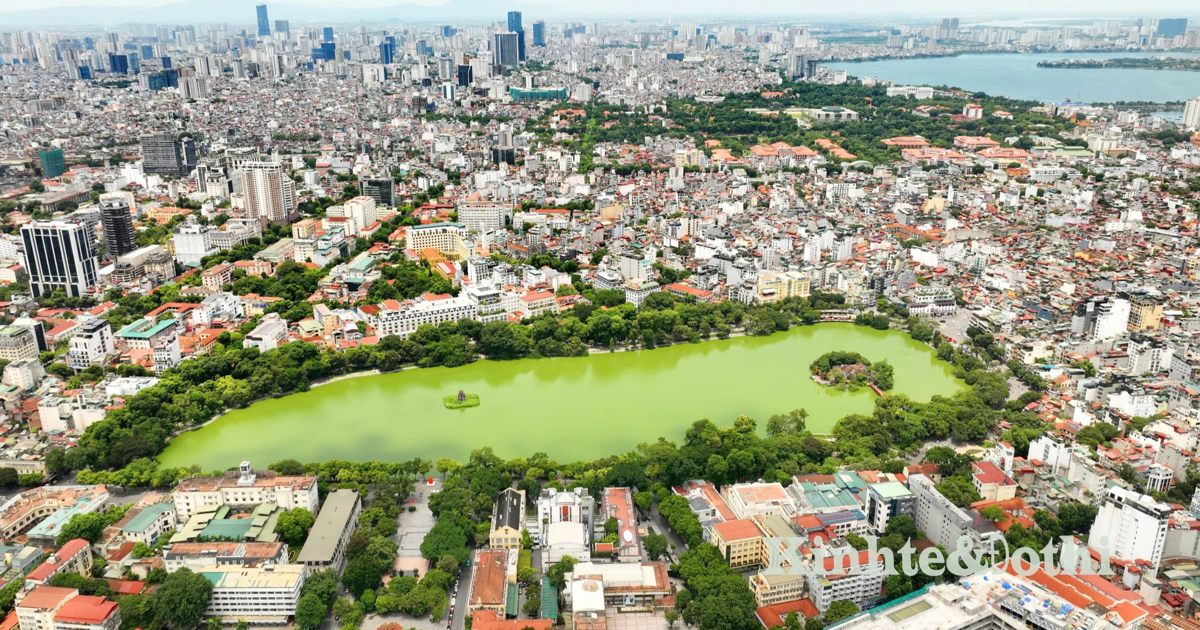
(452, 402)
(525, 559)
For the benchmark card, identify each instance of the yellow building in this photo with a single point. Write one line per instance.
(797, 284)
(740, 542)
(1145, 313)
(743, 542)
(508, 519)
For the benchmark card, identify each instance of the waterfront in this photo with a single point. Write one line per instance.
(570, 408)
(1017, 76)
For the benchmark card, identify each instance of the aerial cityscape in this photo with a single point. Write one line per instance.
(481, 317)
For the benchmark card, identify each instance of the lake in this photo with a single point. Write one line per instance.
(1017, 76)
(570, 408)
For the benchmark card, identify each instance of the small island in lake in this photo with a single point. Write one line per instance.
(1134, 63)
(851, 371)
(462, 401)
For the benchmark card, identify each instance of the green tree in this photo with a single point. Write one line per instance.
(293, 525)
(86, 526)
(310, 611)
(840, 610)
(655, 545)
(181, 599)
(362, 573)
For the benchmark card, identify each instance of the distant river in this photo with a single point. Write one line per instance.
(570, 408)
(1017, 76)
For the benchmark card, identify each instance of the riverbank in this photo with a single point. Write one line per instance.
(1153, 63)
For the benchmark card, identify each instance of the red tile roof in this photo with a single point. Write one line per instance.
(775, 615)
(86, 609)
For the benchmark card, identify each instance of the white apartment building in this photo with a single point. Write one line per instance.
(424, 310)
(488, 302)
(1101, 318)
(192, 242)
(360, 212)
(23, 373)
(859, 585)
(245, 488)
(269, 334)
(91, 345)
(267, 594)
(1191, 114)
(1131, 525)
(479, 216)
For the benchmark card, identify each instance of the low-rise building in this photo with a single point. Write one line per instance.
(73, 557)
(270, 333)
(266, 595)
(245, 488)
(330, 534)
(196, 555)
(508, 519)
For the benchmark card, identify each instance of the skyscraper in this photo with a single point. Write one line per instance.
(385, 52)
(514, 25)
(61, 256)
(52, 163)
(539, 33)
(327, 34)
(282, 26)
(1191, 115)
(118, 64)
(264, 25)
(118, 227)
(1172, 27)
(163, 154)
(505, 51)
(269, 192)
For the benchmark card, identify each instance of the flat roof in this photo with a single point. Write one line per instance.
(145, 329)
(891, 490)
(279, 576)
(327, 530)
(147, 516)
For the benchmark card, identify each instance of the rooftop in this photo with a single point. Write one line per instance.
(327, 530)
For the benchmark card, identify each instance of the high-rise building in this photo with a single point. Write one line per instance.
(465, 75)
(514, 25)
(118, 64)
(539, 33)
(52, 163)
(163, 154)
(381, 189)
(327, 34)
(1172, 27)
(1131, 526)
(505, 52)
(61, 255)
(1191, 114)
(282, 26)
(269, 192)
(385, 52)
(118, 227)
(264, 25)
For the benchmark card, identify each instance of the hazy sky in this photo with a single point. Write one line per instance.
(681, 9)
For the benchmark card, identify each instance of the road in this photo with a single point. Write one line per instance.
(659, 523)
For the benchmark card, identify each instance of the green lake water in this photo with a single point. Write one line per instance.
(569, 408)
